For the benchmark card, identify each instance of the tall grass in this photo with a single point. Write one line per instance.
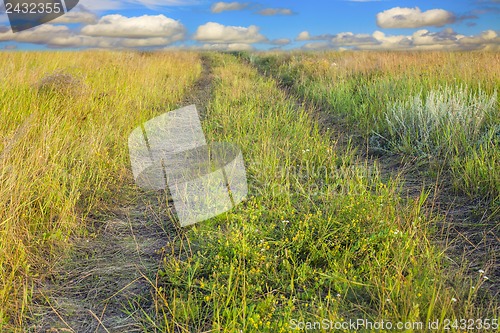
(446, 120)
(320, 236)
(435, 104)
(64, 122)
(454, 125)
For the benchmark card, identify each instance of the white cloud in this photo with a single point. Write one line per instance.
(112, 31)
(107, 42)
(419, 40)
(145, 42)
(340, 39)
(423, 39)
(304, 35)
(77, 15)
(82, 41)
(389, 42)
(220, 7)
(145, 26)
(398, 17)
(317, 46)
(217, 33)
(281, 41)
(446, 39)
(487, 38)
(228, 47)
(42, 34)
(275, 11)
(350, 39)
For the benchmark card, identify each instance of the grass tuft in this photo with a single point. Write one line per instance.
(444, 121)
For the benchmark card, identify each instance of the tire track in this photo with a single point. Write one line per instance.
(466, 229)
(105, 283)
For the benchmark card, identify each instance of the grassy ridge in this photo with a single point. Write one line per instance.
(320, 236)
(439, 107)
(65, 118)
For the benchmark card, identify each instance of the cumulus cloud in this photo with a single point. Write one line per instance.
(145, 26)
(391, 42)
(446, 39)
(220, 7)
(399, 17)
(112, 31)
(216, 33)
(275, 11)
(488, 39)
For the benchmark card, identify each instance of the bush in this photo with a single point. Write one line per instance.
(446, 120)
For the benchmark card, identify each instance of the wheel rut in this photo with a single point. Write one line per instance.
(466, 228)
(106, 282)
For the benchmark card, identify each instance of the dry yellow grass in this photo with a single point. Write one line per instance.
(427, 66)
(65, 118)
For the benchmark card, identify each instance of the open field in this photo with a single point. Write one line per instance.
(65, 119)
(327, 231)
(440, 107)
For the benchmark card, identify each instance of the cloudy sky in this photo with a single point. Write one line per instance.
(264, 25)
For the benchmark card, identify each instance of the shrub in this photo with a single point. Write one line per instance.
(446, 120)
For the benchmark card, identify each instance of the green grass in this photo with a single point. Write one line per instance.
(320, 236)
(440, 107)
(452, 125)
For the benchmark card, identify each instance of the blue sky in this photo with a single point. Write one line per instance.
(262, 25)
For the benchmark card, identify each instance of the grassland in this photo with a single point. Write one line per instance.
(65, 120)
(437, 107)
(322, 235)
